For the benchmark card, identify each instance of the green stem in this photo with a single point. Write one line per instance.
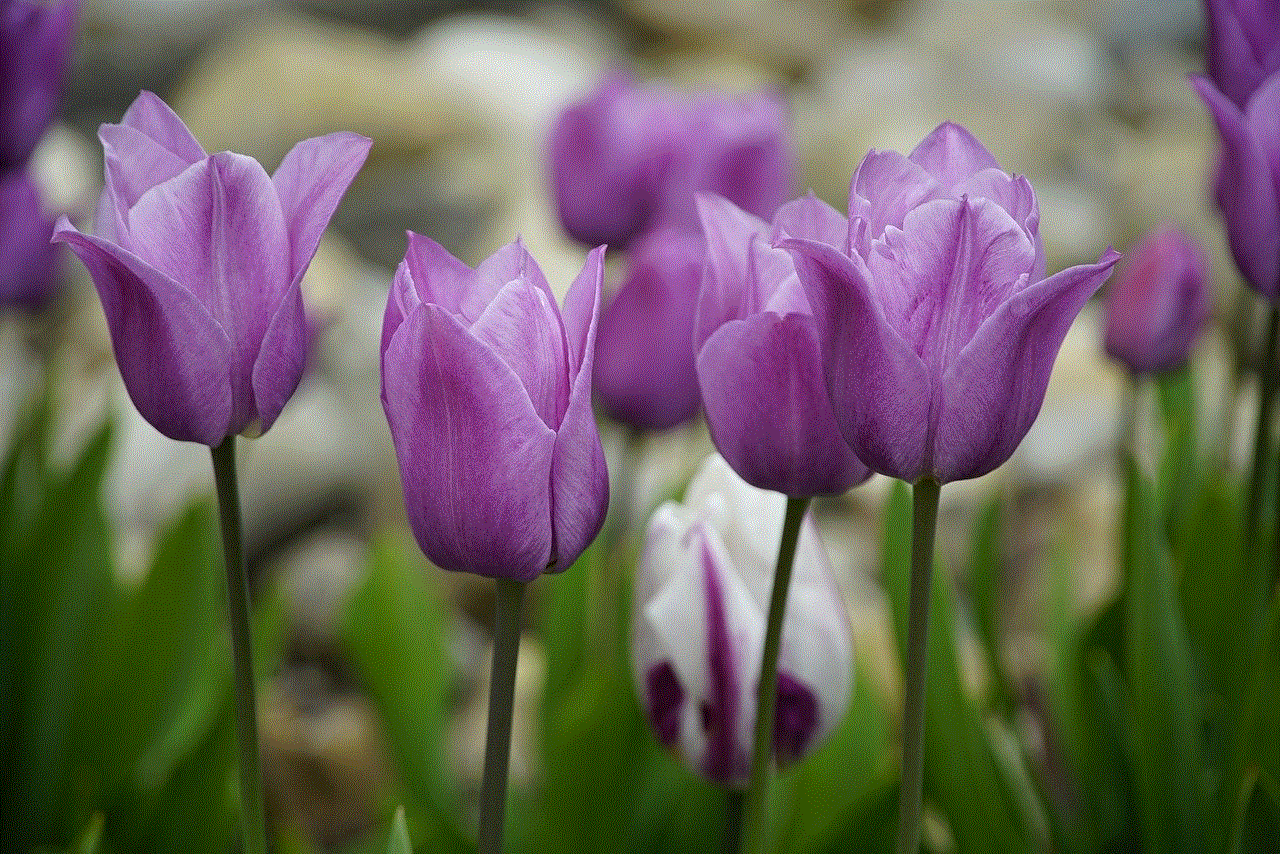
(497, 749)
(767, 689)
(733, 821)
(252, 809)
(1129, 419)
(924, 516)
(1262, 439)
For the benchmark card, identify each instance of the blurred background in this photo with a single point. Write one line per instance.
(1088, 99)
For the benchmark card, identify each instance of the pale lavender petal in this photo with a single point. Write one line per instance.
(508, 264)
(810, 218)
(281, 358)
(1015, 195)
(522, 327)
(1263, 119)
(401, 301)
(475, 459)
(725, 294)
(992, 394)
(579, 477)
(436, 276)
(884, 189)
(311, 181)
(174, 358)
(946, 271)
(149, 146)
(218, 229)
(1247, 193)
(766, 402)
(951, 154)
(879, 388)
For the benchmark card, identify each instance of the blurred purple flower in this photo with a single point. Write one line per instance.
(644, 359)
(198, 260)
(35, 44)
(1242, 45)
(1248, 180)
(701, 595)
(1159, 302)
(26, 258)
(758, 361)
(487, 389)
(627, 159)
(937, 325)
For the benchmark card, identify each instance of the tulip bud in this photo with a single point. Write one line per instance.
(1242, 45)
(938, 327)
(1248, 182)
(701, 598)
(198, 260)
(644, 359)
(486, 385)
(35, 44)
(1159, 303)
(26, 258)
(627, 159)
(757, 352)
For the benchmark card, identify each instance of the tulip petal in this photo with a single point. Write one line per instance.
(886, 187)
(1263, 118)
(725, 294)
(879, 387)
(579, 476)
(148, 147)
(1246, 193)
(475, 459)
(993, 392)
(402, 299)
(508, 264)
(951, 154)
(218, 229)
(1231, 56)
(767, 407)
(311, 181)
(281, 359)
(35, 43)
(435, 275)
(174, 358)
(810, 218)
(944, 273)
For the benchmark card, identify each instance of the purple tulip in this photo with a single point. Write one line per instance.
(1242, 45)
(35, 44)
(1248, 182)
(938, 327)
(26, 258)
(701, 596)
(198, 259)
(487, 388)
(1158, 303)
(628, 159)
(644, 360)
(758, 361)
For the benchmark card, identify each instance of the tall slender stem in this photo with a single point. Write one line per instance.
(924, 520)
(767, 689)
(253, 812)
(497, 748)
(1262, 439)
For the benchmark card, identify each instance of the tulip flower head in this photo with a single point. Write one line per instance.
(758, 361)
(644, 362)
(701, 598)
(1242, 45)
(937, 325)
(1158, 303)
(26, 258)
(198, 260)
(486, 385)
(1248, 180)
(627, 159)
(35, 45)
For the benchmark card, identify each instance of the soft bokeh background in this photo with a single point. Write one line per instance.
(1088, 99)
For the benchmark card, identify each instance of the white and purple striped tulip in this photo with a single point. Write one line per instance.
(701, 597)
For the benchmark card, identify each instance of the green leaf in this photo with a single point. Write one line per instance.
(91, 838)
(398, 840)
(1163, 709)
(986, 574)
(394, 630)
(1178, 475)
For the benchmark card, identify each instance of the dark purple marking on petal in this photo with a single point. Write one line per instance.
(665, 696)
(723, 761)
(795, 719)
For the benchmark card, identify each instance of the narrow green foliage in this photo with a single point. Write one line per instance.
(986, 579)
(398, 840)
